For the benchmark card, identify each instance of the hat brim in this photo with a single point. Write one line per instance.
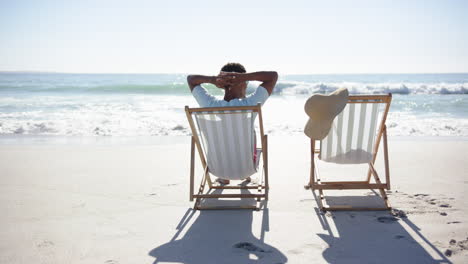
(317, 129)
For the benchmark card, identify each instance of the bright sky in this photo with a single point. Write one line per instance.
(172, 36)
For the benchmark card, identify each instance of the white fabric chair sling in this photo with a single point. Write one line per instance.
(354, 139)
(228, 142)
(225, 140)
(352, 136)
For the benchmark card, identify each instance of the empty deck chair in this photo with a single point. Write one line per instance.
(226, 143)
(354, 138)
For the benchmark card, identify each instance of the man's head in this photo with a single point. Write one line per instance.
(233, 67)
(235, 90)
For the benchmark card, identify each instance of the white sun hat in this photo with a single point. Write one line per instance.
(322, 109)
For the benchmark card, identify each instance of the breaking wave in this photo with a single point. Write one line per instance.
(305, 88)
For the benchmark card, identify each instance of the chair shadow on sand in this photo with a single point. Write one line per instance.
(219, 237)
(373, 236)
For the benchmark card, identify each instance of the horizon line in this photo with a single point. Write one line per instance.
(174, 73)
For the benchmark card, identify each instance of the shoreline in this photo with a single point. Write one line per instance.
(25, 140)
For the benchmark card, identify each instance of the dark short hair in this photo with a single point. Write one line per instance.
(233, 67)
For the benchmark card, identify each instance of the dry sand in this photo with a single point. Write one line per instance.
(129, 204)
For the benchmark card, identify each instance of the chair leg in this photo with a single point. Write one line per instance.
(312, 165)
(320, 201)
(265, 166)
(201, 189)
(192, 168)
(387, 168)
(385, 198)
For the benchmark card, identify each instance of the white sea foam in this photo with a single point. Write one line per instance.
(99, 116)
(164, 115)
(308, 88)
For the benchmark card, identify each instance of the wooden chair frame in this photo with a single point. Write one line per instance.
(262, 186)
(316, 184)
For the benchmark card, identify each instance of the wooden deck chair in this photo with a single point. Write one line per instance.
(226, 143)
(354, 139)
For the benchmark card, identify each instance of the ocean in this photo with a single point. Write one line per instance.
(147, 105)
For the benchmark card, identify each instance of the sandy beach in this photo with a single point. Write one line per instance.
(128, 203)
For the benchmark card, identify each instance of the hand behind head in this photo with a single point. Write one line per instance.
(223, 81)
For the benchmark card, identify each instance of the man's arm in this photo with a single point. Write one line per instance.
(268, 78)
(194, 80)
(219, 81)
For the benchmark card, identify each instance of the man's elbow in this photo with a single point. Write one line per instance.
(274, 76)
(189, 79)
(190, 82)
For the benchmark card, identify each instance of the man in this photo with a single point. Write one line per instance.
(233, 79)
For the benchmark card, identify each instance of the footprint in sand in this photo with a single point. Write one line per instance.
(421, 194)
(398, 213)
(455, 247)
(295, 251)
(45, 244)
(387, 219)
(250, 247)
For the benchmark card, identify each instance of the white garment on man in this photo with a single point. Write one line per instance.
(205, 99)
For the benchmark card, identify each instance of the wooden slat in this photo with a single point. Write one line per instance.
(225, 113)
(343, 182)
(348, 186)
(229, 195)
(254, 108)
(227, 207)
(238, 187)
(339, 208)
(382, 97)
(367, 102)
